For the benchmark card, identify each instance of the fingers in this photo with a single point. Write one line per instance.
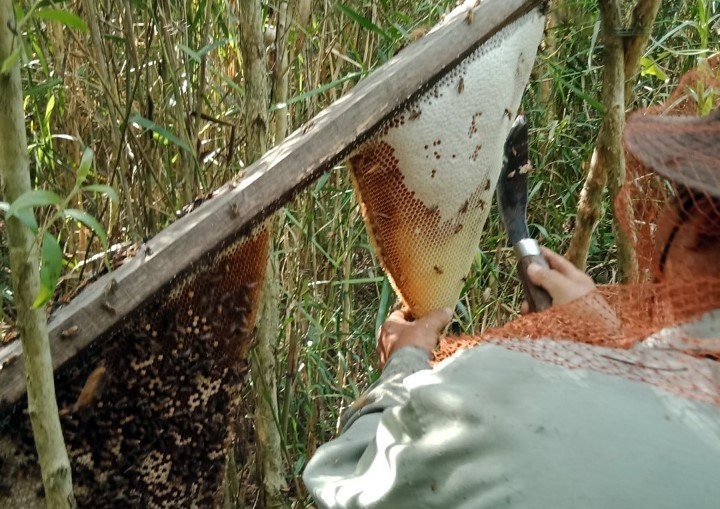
(398, 331)
(562, 264)
(553, 281)
(436, 321)
(563, 281)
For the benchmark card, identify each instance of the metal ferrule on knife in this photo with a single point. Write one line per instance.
(526, 247)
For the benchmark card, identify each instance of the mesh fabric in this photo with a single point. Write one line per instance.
(674, 226)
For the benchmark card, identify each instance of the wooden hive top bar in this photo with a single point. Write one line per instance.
(267, 184)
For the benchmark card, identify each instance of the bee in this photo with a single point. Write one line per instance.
(437, 270)
(109, 307)
(458, 228)
(525, 168)
(110, 287)
(469, 16)
(414, 114)
(461, 86)
(373, 169)
(69, 332)
(417, 33)
(91, 391)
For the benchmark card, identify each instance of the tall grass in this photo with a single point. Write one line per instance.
(163, 120)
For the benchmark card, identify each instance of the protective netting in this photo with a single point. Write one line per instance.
(670, 209)
(147, 413)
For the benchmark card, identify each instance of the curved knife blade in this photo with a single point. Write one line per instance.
(512, 184)
(512, 202)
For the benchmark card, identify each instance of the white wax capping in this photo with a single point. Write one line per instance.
(464, 119)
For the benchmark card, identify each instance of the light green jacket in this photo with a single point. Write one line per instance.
(531, 424)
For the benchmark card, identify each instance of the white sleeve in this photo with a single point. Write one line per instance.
(491, 428)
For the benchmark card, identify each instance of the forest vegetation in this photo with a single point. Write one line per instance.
(152, 103)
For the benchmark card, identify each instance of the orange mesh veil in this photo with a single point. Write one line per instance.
(670, 209)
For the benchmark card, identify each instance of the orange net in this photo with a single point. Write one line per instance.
(669, 208)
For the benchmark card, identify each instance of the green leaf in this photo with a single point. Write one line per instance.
(40, 88)
(48, 112)
(192, 54)
(89, 221)
(33, 198)
(106, 190)
(362, 21)
(85, 165)
(27, 218)
(50, 269)
(64, 17)
(384, 305)
(649, 67)
(159, 130)
(43, 297)
(10, 61)
(200, 54)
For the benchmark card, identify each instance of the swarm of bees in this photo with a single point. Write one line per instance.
(146, 413)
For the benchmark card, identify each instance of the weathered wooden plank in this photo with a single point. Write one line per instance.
(269, 183)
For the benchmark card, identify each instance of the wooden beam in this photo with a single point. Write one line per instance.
(268, 184)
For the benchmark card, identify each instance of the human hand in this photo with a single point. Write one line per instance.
(398, 331)
(562, 280)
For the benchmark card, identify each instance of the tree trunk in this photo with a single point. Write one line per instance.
(610, 147)
(31, 323)
(263, 366)
(589, 211)
(255, 74)
(608, 163)
(269, 444)
(641, 23)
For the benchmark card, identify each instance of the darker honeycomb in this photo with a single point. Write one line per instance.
(394, 215)
(151, 429)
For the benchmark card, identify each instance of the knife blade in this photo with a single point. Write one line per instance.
(512, 195)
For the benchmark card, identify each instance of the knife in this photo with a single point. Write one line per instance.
(512, 194)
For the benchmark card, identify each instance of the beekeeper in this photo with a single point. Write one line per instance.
(546, 423)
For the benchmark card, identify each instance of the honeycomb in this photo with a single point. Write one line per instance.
(151, 426)
(425, 182)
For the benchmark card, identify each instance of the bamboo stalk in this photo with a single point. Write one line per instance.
(31, 323)
(114, 109)
(280, 73)
(263, 362)
(187, 161)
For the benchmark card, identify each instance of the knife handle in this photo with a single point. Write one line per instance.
(538, 298)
